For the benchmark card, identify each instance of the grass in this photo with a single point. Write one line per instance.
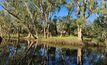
(64, 40)
(11, 36)
(69, 40)
(94, 41)
(72, 40)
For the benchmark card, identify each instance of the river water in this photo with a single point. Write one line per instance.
(15, 52)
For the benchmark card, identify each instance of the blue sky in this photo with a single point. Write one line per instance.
(1, 8)
(2, 0)
(63, 12)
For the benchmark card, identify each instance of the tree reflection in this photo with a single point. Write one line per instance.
(79, 54)
(93, 56)
(33, 53)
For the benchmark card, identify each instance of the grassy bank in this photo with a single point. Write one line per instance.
(69, 40)
(94, 42)
(72, 40)
(65, 40)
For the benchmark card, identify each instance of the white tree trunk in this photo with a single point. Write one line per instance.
(61, 33)
(29, 35)
(79, 33)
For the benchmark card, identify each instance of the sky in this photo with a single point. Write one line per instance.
(1, 8)
(63, 12)
(0, 4)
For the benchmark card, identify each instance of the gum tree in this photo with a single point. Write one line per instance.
(28, 11)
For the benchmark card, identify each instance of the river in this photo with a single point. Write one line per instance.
(15, 52)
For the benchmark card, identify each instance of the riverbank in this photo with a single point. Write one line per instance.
(71, 40)
(64, 40)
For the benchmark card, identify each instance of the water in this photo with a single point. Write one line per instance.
(25, 53)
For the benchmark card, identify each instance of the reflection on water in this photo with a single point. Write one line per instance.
(32, 53)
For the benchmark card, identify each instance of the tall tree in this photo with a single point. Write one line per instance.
(27, 11)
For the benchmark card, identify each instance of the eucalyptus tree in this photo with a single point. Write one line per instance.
(61, 27)
(99, 27)
(48, 7)
(64, 26)
(1, 23)
(71, 10)
(28, 11)
(83, 9)
(25, 12)
(13, 8)
(5, 24)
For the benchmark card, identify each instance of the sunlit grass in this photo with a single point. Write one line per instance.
(70, 40)
(64, 40)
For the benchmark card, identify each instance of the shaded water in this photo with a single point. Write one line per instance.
(25, 53)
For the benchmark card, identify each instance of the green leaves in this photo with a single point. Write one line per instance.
(1, 3)
(69, 6)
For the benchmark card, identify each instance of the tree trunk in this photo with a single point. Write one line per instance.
(69, 32)
(61, 33)
(47, 35)
(56, 32)
(44, 31)
(1, 30)
(30, 35)
(79, 33)
(47, 27)
(18, 33)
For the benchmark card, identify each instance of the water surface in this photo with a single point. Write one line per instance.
(15, 52)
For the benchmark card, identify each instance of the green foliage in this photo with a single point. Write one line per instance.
(35, 16)
(98, 28)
